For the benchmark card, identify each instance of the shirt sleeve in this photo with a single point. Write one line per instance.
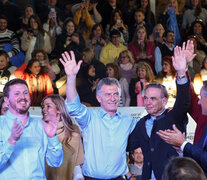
(54, 154)
(79, 111)
(6, 150)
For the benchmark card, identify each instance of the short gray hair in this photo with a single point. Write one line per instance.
(108, 81)
(159, 86)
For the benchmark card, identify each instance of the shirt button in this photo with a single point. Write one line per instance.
(148, 163)
(152, 149)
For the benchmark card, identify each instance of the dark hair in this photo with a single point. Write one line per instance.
(148, 12)
(115, 67)
(115, 32)
(11, 83)
(37, 19)
(1, 103)
(168, 59)
(2, 16)
(159, 86)
(166, 32)
(67, 20)
(183, 168)
(29, 65)
(112, 22)
(204, 88)
(36, 51)
(94, 28)
(4, 53)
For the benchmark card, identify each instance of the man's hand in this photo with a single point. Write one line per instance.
(69, 63)
(16, 132)
(173, 137)
(189, 51)
(50, 124)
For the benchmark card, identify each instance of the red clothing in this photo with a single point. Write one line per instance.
(196, 112)
(38, 87)
(133, 47)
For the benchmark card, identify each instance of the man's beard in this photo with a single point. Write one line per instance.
(22, 110)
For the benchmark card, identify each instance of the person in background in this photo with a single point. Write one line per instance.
(83, 21)
(41, 55)
(165, 49)
(38, 81)
(141, 48)
(126, 65)
(157, 34)
(69, 135)
(35, 37)
(25, 19)
(112, 71)
(118, 24)
(111, 51)
(12, 13)
(6, 70)
(68, 40)
(181, 168)
(145, 76)
(26, 140)
(3, 106)
(96, 40)
(167, 78)
(137, 162)
(52, 26)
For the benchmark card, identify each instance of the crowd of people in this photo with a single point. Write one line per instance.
(107, 53)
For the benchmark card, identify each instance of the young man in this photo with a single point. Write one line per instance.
(26, 141)
(105, 130)
(156, 151)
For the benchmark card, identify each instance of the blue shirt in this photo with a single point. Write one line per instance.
(104, 138)
(158, 58)
(26, 159)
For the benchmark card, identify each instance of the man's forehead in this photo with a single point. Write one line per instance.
(18, 87)
(153, 91)
(109, 88)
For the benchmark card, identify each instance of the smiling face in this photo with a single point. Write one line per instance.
(144, 3)
(3, 25)
(139, 17)
(138, 155)
(124, 58)
(19, 99)
(3, 61)
(197, 28)
(48, 108)
(166, 67)
(154, 102)
(141, 73)
(97, 32)
(109, 98)
(110, 71)
(70, 28)
(35, 69)
(33, 24)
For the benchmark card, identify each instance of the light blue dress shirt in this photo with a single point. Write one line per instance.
(104, 138)
(158, 58)
(26, 159)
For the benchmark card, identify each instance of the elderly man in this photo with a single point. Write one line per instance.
(177, 139)
(156, 151)
(105, 130)
(25, 140)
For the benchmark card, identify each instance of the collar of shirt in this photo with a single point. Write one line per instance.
(103, 113)
(171, 48)
(10, 120)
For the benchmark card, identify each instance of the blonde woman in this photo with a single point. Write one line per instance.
(70, 136)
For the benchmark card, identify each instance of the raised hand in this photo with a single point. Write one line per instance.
(50, 124)
(16, 132)
(69, 63)
(189, 51)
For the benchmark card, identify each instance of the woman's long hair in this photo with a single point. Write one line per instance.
(29, 65)
(37, 19)
(69, 126)
(168, 59)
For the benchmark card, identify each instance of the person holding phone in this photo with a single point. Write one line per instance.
(118, 24)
